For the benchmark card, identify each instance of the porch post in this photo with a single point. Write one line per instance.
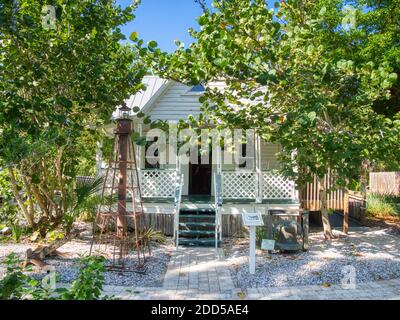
(139, 149)
(259, 178)
(295, 192)
(218, 195)
(219, 158)
(99, 158)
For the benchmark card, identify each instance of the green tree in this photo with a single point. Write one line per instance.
(379, 36)
(63, 70)
(292, 73)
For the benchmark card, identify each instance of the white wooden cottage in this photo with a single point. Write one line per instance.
(216, 193)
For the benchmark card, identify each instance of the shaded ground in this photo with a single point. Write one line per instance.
(335, 219)
(373, 254)
(391, 223)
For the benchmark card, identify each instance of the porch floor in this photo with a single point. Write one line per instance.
(210, 200)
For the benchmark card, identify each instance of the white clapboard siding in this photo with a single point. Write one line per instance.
(268, 156)
(175, 104)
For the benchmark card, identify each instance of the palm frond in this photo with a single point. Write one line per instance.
(86, 189)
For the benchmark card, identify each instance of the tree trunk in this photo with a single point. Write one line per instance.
(60, 179)
(324, 210)
(24, 209)
(364, 172)
(30, 199)
(37, 255)
(346, 212)
(40, 201)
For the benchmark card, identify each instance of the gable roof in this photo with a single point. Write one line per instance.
(155, 89)
(154, 86)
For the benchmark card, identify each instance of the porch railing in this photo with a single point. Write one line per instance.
(218, 204)
(158, 183)
(249, 185)
(177, 203)
(239, 184)
(154, 183)
(276, 186)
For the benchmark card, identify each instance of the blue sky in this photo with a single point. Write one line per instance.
(165, 21)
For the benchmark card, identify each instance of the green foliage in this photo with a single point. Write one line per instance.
(378, 39)
(355, 185)
(150, 235)
(382, 205)
(17, 231)
(261, 233)
(57, 87)
(54, 235)
(17, 285)
(82, 202)
(8, 207)
(299, 76)
(90, 280)
(12, 284)
(320, 94)
(85, 148)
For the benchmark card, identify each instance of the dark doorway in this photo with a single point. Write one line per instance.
(200, 178)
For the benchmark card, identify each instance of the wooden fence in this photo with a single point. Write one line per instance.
(309, 195)
(385, 183)
(160, 222)
(357, 206)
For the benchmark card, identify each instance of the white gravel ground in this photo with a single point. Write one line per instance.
(373, 254)
(67, 269)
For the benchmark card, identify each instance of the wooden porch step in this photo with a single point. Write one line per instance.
(198, 242)
(197, 224)
(196, 232)
(197, 211)
(197, 216)
(200, 227)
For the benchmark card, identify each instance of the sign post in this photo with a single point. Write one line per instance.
(252, 220)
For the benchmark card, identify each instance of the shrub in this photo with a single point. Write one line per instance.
(382, 205)
(90, 281)
(17, 231)
(8, 207)
(261, 233)
(17, 285)
(83, 202)
(149, 235)
(12, 284)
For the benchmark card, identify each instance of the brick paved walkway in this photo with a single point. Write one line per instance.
(201, 270)
(202, 273)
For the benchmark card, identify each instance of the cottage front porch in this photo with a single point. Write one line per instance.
(232, 193)
(205, 219)
(177, 195)
(230, 189)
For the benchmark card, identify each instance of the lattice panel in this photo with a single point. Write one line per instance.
(239, 185)
(109, 182)
(158, 183)
(276, 186)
